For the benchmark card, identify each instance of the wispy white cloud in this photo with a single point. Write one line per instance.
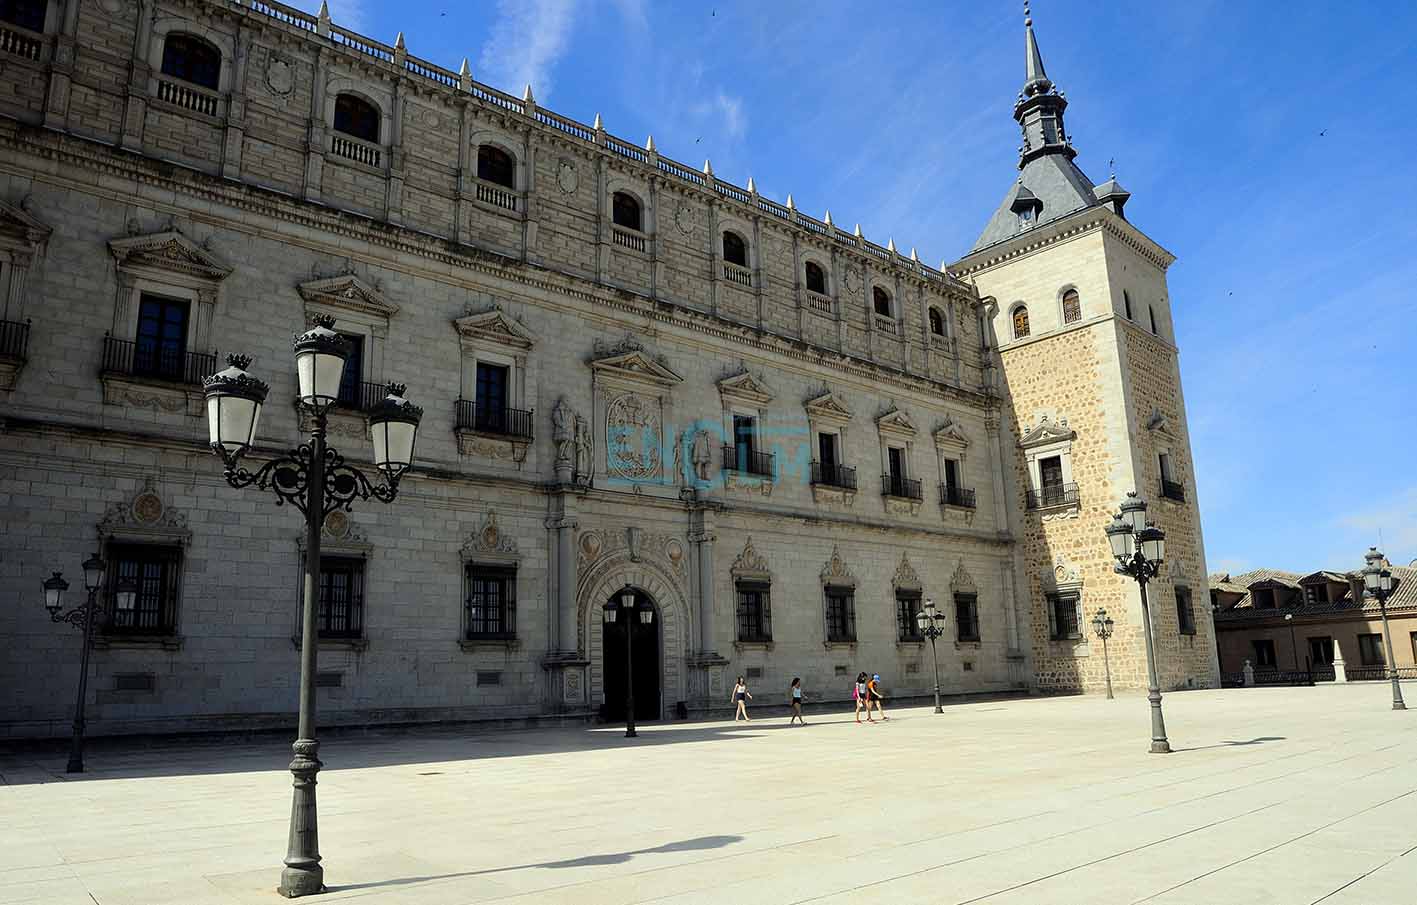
(1393, 522)
(526, 42)
(726, 112)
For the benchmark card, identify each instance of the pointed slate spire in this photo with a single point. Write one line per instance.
(649, 145)
(1035, 77)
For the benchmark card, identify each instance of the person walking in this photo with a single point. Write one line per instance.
(874, 696)
(741, 696)
(858, 694)
(794, 695)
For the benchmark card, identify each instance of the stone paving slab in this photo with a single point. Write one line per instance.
(1274, 795)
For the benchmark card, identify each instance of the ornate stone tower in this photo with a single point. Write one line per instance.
(1092, 394)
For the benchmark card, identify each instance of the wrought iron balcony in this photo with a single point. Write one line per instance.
(361, 396)
(744, 460)
(843, 476)
(156, 361)
(1173, 490)
(505, 422)
(14, 339)
(956, 496)
(904, 488)
(1053, 495)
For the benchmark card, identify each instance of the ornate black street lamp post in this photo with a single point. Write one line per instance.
(315, 479)
(646, 616)
(932, 625)
(1102, 625)
(1140, 548)
(83, 617)
(1380, 583)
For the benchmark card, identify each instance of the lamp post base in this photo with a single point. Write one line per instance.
(1396, 705)
(302, 881)
(1160, 746)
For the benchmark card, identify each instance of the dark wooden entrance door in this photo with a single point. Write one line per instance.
(646, 664)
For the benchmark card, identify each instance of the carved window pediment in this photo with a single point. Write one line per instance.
(495, 326)
(745, 387)
(20, 230)
(145, 517)
(950, 435)
(1159, 422)
(347, 292)
(897, 423)
(836, 573)
(905, 577)
(828, 408)
(636, 366)
(751, 565)
(961, 582)
(1048, 432)
(168, 253)
(489, 543)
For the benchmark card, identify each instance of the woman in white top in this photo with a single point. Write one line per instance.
(741, 696)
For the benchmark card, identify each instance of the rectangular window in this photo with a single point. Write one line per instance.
(967, 617)
(1050, 472)
(826, 451)
(1413, 638)
(351, 381)
(1063, 620)
(895, 458)
(1185, 613)
(841, 614)
(907, 608)
(951, 475)
(341, 613)
(1321, 651)
(1264, 653)
(160, 348)
(744, 440)
(1370, 650)
(491, 387)
(1165, 462)
(754, 611)
(1316, 593)
(491, 602)
(1262, 598)
(153, 571)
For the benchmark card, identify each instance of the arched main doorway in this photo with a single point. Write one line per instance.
(646, 659)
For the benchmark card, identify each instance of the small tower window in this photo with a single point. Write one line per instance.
(27, 14)
(1127, 304)
(1020, 322)
(881, 301)
(357, 117)
(625, 211)
(1072, 307)
(735, 250)
(1152, 312)
(496, 166)
(816, 278)
(937, 323)
(190, 59)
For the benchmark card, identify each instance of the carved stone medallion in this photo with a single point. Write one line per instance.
(632, 437)
(567, 177)
(684, 219)
(280, 78)
(851, 280)
(117, 9)
(147, 508)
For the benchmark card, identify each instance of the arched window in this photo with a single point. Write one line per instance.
(356, 116)
(1127, 304)
(881, 301)
(1020, 322)
(735, 250)
(625, 211)
(191, 59)
(816, 278)
(496, 165)
(28, 14)
(1072, 307)
(937, 323)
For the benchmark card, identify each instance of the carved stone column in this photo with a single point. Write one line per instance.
(564, 663)
(705, 662)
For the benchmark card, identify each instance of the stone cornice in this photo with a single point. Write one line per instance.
(1076, 224)
(63, 151)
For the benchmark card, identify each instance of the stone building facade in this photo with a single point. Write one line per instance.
(780, 436)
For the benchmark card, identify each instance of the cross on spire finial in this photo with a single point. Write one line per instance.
(1112, 166)
(1027, 17)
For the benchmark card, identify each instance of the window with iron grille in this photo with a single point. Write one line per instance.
(907, 608)
(1063, 618)
(1185, 613)
(841, 614)
(1264, 653)
(1072, 307)
(155, 571)
(1370, 650)
(491, 605)
(341, 613)
(967, 617)
(754, 614)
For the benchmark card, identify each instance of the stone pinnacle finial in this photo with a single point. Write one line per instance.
(790, 205)
(649, 145)
(528, 96)
(944, 266)
(399, 44)
(859, 234)
(913, 256)
(890, 245)
(828, 220)
(752, 189)
(708, 167)
(599, 125)
(324, 12)
(464, 70)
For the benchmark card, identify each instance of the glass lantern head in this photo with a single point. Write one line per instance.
(54, 588)
(1153, 543)
(1385, 582)
(610, 611)
(320, 354)
(234, 400)
(1372, 569)
(922, 621)
(929, 607)
(124, 595)
(393, 423)
(646, 615)
(1119, 536)
(94, 568)
(1134, 511)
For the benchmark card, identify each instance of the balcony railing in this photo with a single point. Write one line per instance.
(19, 43)
(156, 362)
(496, 196)
(188, 97)
(628, 238)
(747, 461)
(897, 486)
(505, 422)
(362, 396)
(885, 324)
(842, 476)
(356, 150)
(1374, 673)
(1053, 495)
(14, 339)
(1173, 490)
(819, 302)
(736, 273)
(956, 496)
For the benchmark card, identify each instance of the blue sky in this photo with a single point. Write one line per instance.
(1262, 143)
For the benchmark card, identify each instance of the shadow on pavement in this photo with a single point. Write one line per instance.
(1254, 741)
(703, 843)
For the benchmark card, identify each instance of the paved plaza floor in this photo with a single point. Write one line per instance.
(1274, 795)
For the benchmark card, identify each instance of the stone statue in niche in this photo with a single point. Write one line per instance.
(583, 464)
(561, 420)
(701, 455)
